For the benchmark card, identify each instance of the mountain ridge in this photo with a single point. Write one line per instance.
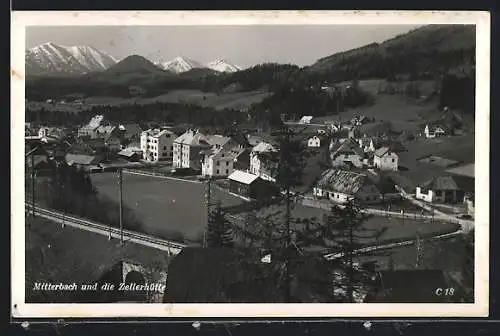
(181, 64)
(52, 58)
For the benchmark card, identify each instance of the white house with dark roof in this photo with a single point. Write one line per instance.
(190, 148)
(221, 159)
(83, 161)
(385, 159)
(445, 189)
(258, 164)
(314, 141)
(435, 130)
(157, 145)
(341, 186)
(89, 129)
(306, 120)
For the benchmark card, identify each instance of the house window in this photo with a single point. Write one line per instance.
(393, 160)
(227, 171)
(217, 171)
(218, 163)
(227, 163)
(222, 155)
(164, 147)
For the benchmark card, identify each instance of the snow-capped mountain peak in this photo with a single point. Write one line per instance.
(180, 64)
(50, 57)
(222, 65)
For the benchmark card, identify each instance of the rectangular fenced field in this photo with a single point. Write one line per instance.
(163, 205)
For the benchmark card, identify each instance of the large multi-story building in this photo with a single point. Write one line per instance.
(222, 160)
(187, 149)
(157, 145)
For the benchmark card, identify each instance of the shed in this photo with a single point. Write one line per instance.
(248, 185)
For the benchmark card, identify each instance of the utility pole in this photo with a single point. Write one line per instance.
(419, 250)
(208, 199)
(33, 176)
(65, 204)
(120, 182)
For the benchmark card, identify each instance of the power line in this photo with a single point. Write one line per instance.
(208, 200)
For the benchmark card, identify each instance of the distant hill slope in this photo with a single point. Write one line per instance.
(134, 64)
(133, 70)
(428, 50)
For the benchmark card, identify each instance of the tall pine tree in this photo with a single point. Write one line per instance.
(219, 234)
(337, 239)
(273, 233)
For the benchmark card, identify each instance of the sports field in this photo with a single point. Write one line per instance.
(164, 206)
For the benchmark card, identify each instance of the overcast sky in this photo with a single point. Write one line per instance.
(242, 45)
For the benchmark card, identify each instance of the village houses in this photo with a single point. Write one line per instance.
(445, 189)
(223, 157)
(157, 145)
(305, 120)
(341, 186)
(258, 164)
(89, 130)
(187, 149)
(314, 141)
(349, 153)
(434, 130)
(385, 159)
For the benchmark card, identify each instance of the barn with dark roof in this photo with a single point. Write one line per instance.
(341, 185)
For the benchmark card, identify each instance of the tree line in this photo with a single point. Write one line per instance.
(70, 190)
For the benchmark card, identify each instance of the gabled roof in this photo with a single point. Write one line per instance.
(229, 148)
(254, 140)
(193, 138)
(435, 125)
(105, 129)
(394, 145)
(217, 139)
(305, 119)
(243, 177)
(130, 130)
(81, 159)
(263, 147)
(343, 181)
(449, 182)
(156, 132)
(464, 170)
(382, 151)
(129, 151)
(350, 146)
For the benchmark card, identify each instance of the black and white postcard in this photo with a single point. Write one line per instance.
(250, 164)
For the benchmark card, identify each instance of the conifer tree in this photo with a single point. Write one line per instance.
(219, 234)
(273, 232)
